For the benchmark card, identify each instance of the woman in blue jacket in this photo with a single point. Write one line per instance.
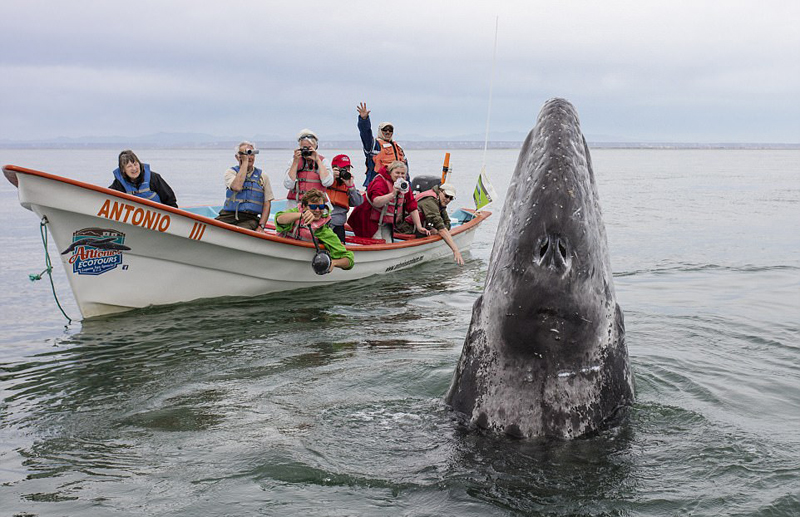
(134, 177)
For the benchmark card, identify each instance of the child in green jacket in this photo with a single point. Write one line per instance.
(312, 212)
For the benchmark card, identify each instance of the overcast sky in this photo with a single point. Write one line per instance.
(676, 71)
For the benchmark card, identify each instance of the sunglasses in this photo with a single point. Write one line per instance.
(449, 197)
(388, 130)
(313, 206)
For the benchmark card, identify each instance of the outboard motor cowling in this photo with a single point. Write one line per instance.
(423, 183)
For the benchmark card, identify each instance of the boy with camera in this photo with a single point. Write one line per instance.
(342, 193)
(312, 216)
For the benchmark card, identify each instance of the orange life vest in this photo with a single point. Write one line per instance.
(307, 178)
(337, 193)
(385, 214)
(390, 152)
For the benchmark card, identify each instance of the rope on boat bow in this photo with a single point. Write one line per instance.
(49, 268)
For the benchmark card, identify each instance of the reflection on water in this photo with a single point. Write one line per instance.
(537, 476)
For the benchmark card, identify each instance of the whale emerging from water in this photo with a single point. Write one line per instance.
(545, 354)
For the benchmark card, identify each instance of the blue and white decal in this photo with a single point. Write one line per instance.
(96, 250)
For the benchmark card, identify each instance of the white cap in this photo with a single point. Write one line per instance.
(448, 189)
(307, 133)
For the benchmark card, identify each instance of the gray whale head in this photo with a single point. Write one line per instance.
(545, 354)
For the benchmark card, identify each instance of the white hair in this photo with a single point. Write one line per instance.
(395, 165)
(245, 142)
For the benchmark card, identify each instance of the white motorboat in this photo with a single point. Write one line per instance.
(122, 252)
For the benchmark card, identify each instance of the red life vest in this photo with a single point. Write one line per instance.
(302, 233)
(419, 197)
(385, 214)
(390, 152)
(307, 178)
(337, 193)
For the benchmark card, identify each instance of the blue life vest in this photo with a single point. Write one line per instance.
(143, 190)
(250, 198)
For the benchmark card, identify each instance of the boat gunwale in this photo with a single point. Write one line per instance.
(10, 172)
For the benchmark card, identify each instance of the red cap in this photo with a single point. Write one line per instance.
(341, 160)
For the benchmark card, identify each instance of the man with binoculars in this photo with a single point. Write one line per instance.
(249, 194)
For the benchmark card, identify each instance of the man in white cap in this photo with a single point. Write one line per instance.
(379, 152)
(432, 206)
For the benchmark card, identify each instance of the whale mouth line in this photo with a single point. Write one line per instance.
(568, 374)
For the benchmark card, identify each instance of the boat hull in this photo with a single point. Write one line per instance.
(121, 252)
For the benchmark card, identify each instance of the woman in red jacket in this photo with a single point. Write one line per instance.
(389, 201)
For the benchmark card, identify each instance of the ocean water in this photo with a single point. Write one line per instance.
(329, 402)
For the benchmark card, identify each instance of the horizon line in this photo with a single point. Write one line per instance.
(409, 144)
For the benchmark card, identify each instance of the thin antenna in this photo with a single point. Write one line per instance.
(491, 87)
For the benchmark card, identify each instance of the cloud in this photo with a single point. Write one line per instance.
(656, 69)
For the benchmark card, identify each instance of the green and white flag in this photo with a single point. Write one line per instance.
(484, 192)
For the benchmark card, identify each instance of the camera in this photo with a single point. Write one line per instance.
(249, 152)
(306, 151)
(344, 174)
(401, 185)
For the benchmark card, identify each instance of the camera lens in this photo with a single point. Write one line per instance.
(345, 175)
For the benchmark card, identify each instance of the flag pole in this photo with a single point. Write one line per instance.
(491, 88)
(484, 192)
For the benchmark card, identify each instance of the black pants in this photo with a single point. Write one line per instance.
(339, 231)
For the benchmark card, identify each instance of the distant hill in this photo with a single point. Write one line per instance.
(504, 140)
